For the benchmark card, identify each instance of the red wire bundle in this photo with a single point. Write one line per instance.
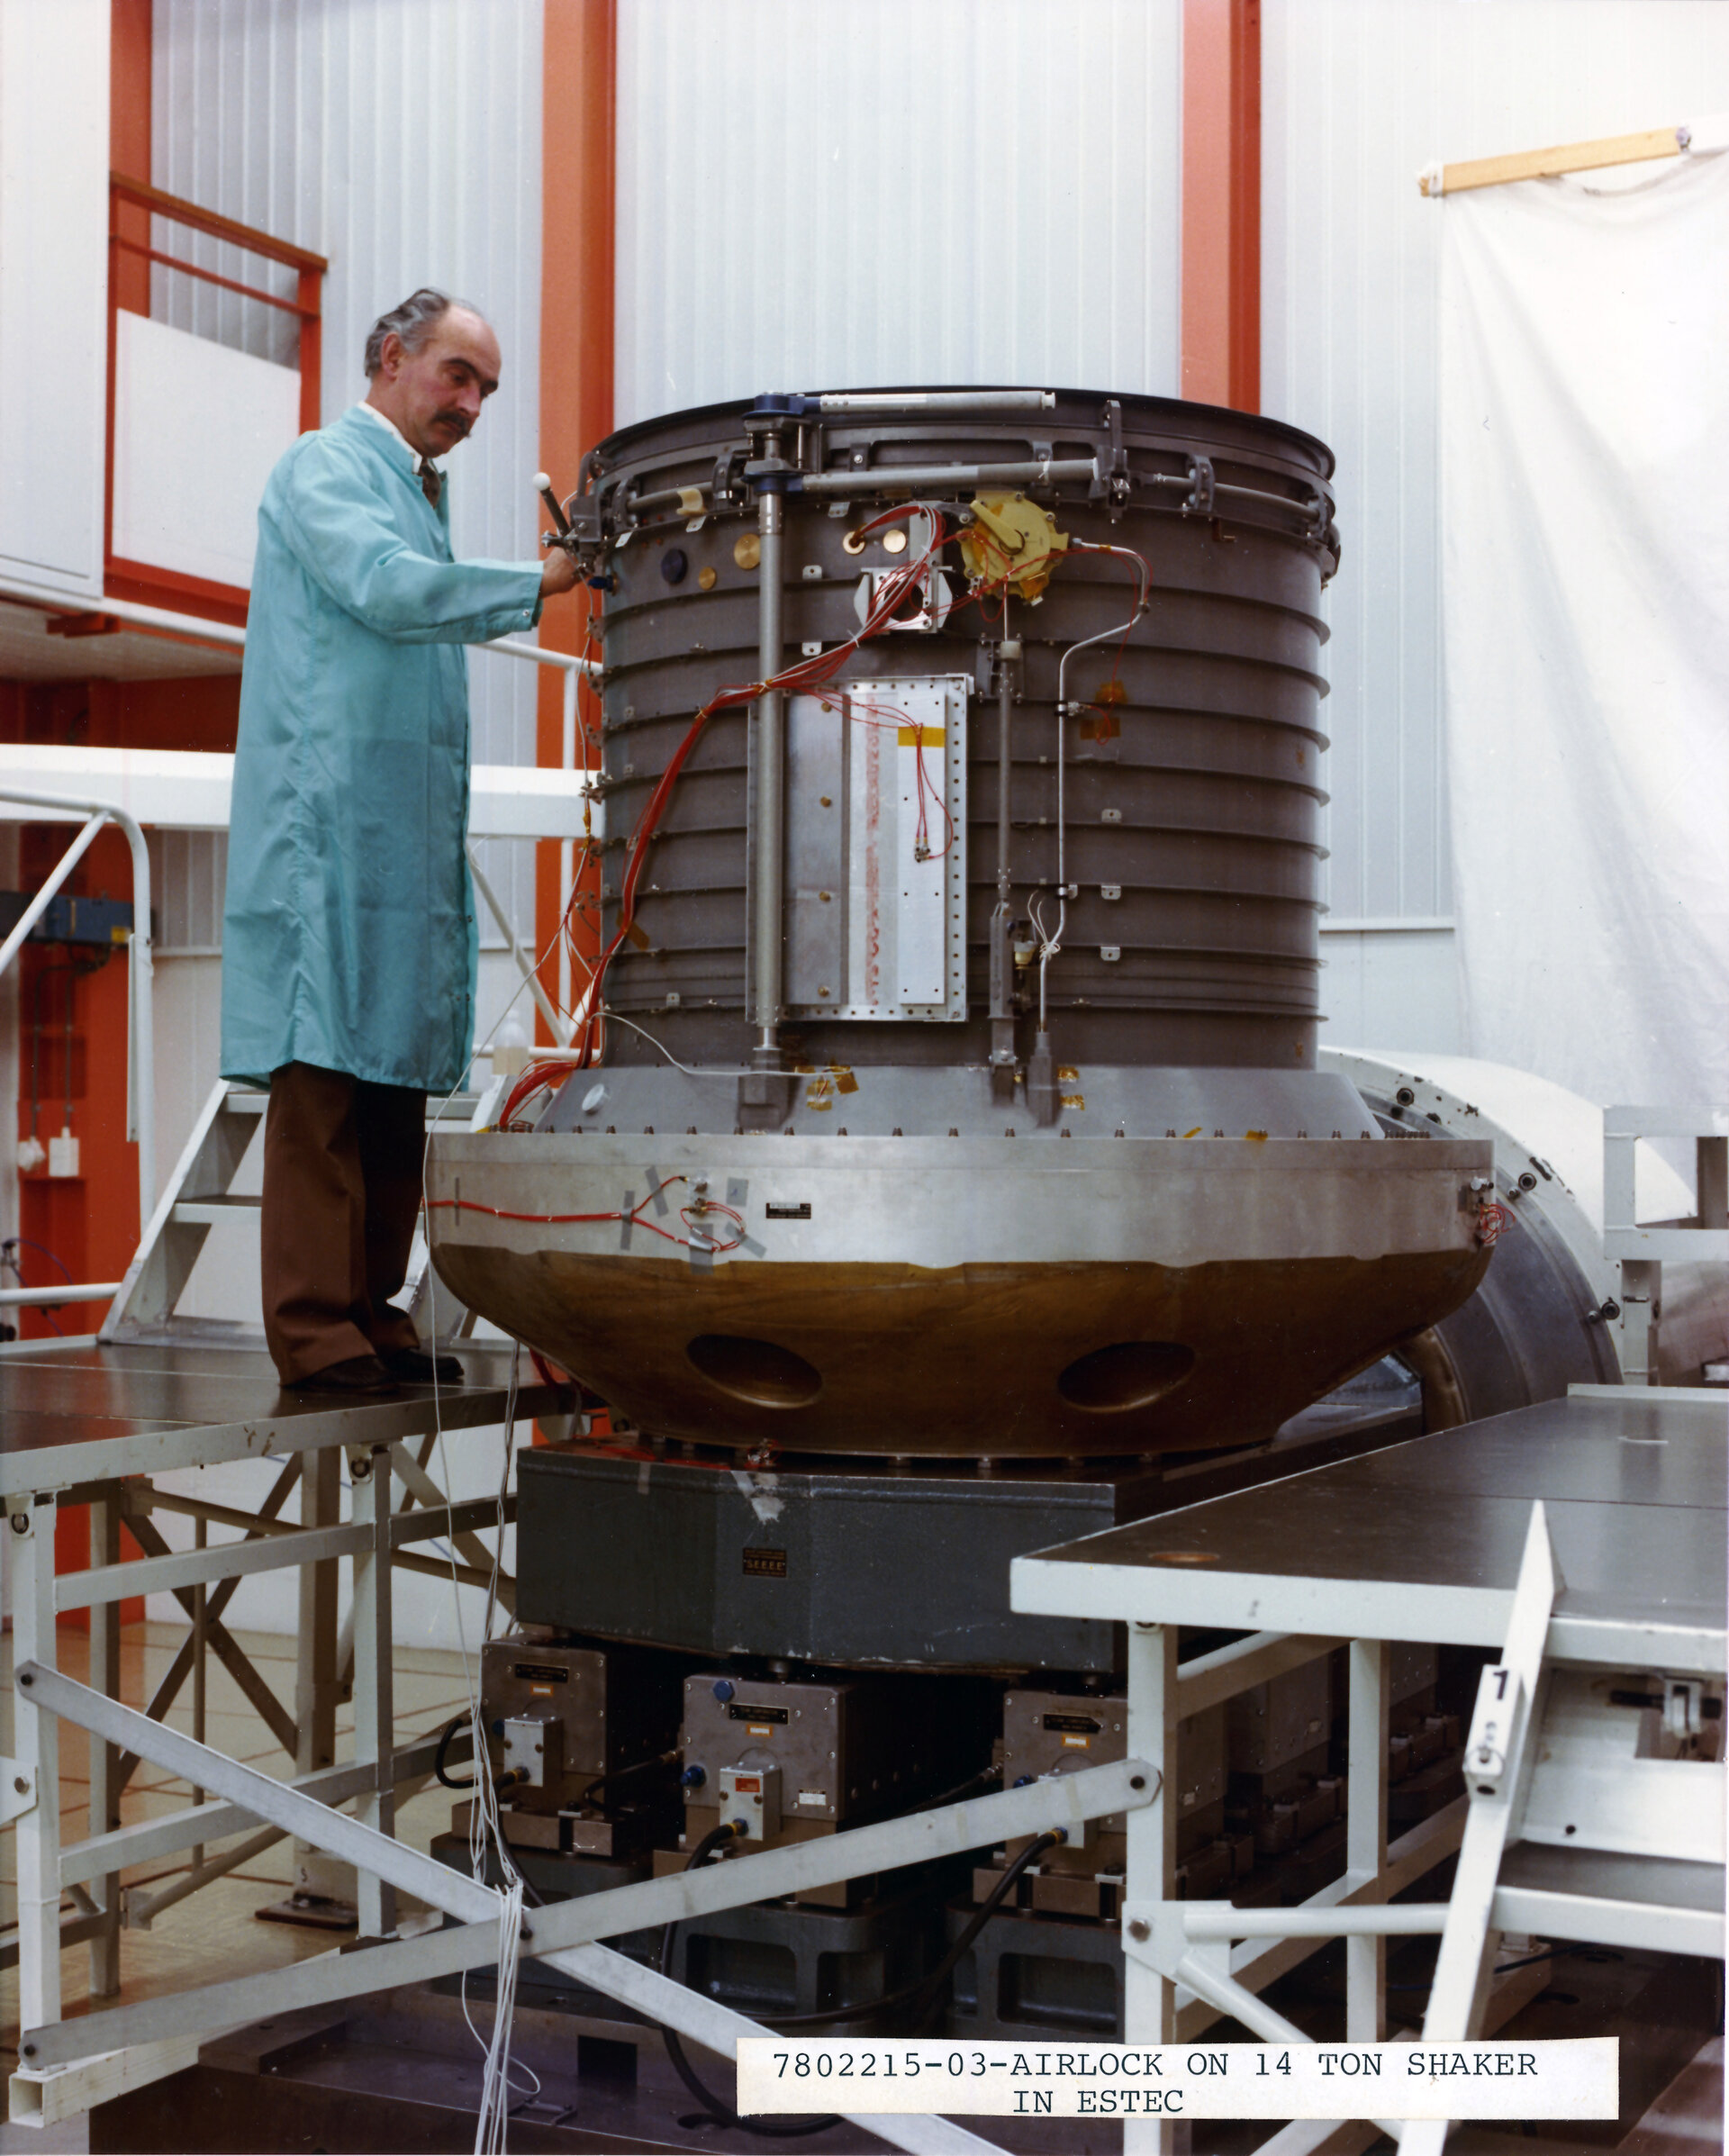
(809, 675)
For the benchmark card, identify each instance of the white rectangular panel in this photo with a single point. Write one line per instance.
(198, 429)
(904, 872)
(53, 291)
(921, 846)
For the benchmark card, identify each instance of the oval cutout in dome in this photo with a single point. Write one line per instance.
(1129, 1373)
(758, 1371)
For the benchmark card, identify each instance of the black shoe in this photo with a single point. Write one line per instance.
(358, 1373)
(414, 1367)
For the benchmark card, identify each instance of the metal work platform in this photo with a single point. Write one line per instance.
(77, 1412)
(86, 1423)
(1585, 1539)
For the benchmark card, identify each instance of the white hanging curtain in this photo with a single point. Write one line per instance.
(1585, 489)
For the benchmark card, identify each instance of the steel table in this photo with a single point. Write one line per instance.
(1422, 1541)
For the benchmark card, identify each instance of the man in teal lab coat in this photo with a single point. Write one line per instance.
(349, 939)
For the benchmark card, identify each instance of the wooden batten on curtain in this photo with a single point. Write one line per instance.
(1547, 163)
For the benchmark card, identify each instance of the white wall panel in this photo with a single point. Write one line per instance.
(198, 429)
(401, 139)
(1358, 96)
(53, 291)
(812, 195)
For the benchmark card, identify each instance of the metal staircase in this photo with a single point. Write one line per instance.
(200, 1194)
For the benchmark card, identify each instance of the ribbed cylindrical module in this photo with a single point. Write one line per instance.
(953, 1091)
(1191, 794)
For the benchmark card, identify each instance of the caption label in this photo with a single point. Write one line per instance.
(1571, 2080)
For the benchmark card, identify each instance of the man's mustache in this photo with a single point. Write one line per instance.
(458, 420)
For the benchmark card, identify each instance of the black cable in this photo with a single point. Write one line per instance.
(931, 1982)
(715, 2111)
(605, 1782)
(438, 1758)
(962, 1791)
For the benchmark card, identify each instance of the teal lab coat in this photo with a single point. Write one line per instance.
(348, 939)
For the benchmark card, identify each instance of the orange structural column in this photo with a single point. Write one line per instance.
(128, 144)
(578, 194)
(1221, 203)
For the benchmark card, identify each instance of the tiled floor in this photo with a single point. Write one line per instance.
(214, 1934)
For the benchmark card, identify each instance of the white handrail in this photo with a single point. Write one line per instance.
(85, 1291)
(575, 668)
(141, 1039)
(124, 609)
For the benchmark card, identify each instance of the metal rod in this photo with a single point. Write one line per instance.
(140, 1034)
(897, 478)
(938, 400)
(539, 656)
(981, 1823)
(1384, 1920)
(141, 1910)
(149, 617)
(82, 1291)
(183, 1568)
(457, 1518)
(44, 897)
(1206, 1680)
(663, 497)
(770, 835)
(272, 1802)
(152, 1839)
(36, 1759)
(1233, 1999)
(525, 964)
(199, 1540)
(375, 1708)
(567, 847)
(420, 1486)
(1003, 957)
(105, 1759)
(1368, 1728)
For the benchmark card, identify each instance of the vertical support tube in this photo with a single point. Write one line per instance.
(1365, 1833)
(567, 847)
(37, 1751)
(105, 1759)
(1149, 1999)
(769, 851)
(141, 1030)
(315, 1678)
(1003, 957)
(200, 1643)
(374, 1700)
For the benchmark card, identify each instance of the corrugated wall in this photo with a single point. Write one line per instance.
(1359, 95)
(813, 194)
(402, 138)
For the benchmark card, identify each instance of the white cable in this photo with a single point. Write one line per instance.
(1051, 945)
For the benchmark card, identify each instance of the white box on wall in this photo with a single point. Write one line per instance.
(53, 291)
(197, 429)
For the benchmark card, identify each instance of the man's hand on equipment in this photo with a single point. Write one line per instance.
(559, 574)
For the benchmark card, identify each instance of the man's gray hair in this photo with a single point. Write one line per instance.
(414, 321)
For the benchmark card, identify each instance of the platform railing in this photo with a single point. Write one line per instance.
(140, 1039)
(141, 1064)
